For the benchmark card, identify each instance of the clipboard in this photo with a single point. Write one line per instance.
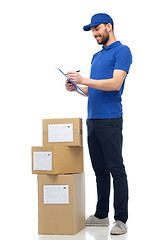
(77, 88)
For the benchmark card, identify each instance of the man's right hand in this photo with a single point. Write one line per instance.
(69, 86)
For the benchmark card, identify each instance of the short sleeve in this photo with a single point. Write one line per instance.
(123, 59)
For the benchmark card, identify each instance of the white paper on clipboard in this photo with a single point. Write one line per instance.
(77, 88)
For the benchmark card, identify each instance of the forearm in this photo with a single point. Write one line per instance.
(103, 84)
(84, 89)
(111, 84)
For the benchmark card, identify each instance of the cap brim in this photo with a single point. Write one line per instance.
(88, 27)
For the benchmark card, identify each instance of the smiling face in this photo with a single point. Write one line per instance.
(102, 33)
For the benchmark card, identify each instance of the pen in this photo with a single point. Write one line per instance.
(78, 70)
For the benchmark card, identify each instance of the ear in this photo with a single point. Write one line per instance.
(109, 27)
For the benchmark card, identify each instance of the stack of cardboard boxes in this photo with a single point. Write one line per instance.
(59, 165)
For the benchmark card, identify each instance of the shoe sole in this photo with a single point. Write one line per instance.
(97, 225)
(118, 233)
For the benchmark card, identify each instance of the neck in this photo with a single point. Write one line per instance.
(111, 40)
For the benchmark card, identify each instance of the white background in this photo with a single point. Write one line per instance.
(36, 36)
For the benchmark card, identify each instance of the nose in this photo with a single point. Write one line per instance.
(94, 32)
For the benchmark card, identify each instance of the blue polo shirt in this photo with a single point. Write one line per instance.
(107, 104)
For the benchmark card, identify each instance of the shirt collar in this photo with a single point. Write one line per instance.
(115, 44)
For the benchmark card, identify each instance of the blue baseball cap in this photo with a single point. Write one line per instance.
(98, 19)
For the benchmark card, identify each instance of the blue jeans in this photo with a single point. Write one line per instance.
(105, 149)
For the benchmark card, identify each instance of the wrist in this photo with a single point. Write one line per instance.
(83, 81)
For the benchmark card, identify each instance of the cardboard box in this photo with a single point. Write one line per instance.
(57, 160)
(64, 131)
(61, 204)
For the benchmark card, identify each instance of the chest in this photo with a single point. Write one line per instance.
(104, 60)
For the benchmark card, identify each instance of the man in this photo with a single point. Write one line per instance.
(109, 69)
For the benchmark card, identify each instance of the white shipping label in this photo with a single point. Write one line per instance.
(42, 161)
(56, 194)
(60, 132)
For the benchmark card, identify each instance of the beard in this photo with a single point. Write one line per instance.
(102, 39)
